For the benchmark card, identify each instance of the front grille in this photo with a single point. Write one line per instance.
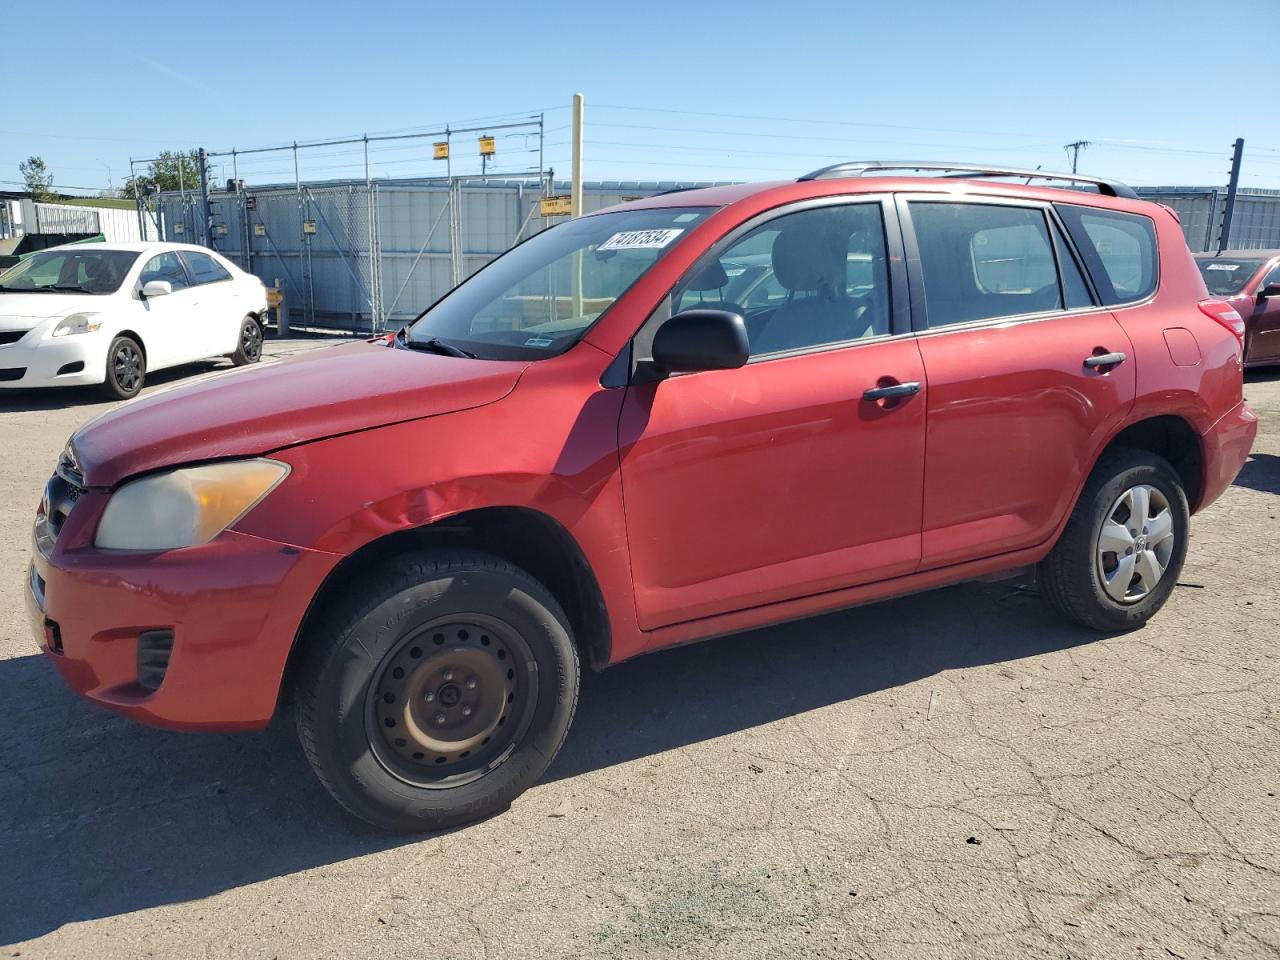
(154, 649)
(10, 374)
(61, 494)
(11, 336)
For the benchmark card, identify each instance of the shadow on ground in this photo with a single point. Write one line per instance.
(102, 817)
(1260, 472)
(60, 398)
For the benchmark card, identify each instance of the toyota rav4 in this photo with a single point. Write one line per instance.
(684, 416)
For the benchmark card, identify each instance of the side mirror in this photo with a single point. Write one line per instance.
(156, 288)
(701, 340)
(1270, 290)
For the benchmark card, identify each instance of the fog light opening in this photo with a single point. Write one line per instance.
(154, 650)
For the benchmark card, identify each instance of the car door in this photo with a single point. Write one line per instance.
(1009, 332)
(782, 478)
(1264, 324)
(216, 326)
(167, 320)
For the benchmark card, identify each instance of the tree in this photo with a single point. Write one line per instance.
(39, 179)
(171, 170)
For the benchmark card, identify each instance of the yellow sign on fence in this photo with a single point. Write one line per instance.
(441, 150)
(555, 206)
(487, 147)
(259, 229)
(308, 226)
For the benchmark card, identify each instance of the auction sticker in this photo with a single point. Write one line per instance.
(1229, 267)
(640, 239)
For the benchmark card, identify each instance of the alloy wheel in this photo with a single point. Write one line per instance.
(126, 367)
(1135, 544)
(251, 340)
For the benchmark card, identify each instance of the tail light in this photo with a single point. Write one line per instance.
(1226, 315)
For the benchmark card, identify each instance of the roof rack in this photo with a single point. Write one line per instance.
(967, 171)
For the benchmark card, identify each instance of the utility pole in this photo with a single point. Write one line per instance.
(1233, 184)
(1074, 149)
(205, 210)
(575, 186)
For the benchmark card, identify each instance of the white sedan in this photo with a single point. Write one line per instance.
(106, 313)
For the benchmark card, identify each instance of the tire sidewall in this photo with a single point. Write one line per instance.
(239, 357)
(1162, 477)
(361, 781)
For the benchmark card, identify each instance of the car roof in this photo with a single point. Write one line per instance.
(787, 191)
(137, 246)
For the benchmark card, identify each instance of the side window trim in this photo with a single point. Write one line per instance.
(899, 305)
(915, 271)
(1097, 271)
(1067, 240)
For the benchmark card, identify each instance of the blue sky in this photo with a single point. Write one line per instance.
(687, 90)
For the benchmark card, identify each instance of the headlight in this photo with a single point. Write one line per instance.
(77, 323)
(185, 507)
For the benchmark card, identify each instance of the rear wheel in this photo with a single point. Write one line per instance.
(126, 369)
(1121, 553)
(249, 346)
(437, 691)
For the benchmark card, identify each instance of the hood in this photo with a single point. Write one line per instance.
(312, 395)
(23, 311)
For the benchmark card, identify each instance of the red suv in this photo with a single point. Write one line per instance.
(684, 416)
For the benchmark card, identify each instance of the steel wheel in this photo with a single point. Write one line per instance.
(450, 702)
(251, 340)
(126, 366)
(1135, 544)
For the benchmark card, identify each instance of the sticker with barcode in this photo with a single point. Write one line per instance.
(640, 240)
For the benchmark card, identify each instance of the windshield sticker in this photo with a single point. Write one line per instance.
(538, 342)
(1223, 266)
(640, 240)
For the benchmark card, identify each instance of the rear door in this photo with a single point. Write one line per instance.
(1010, 333)
(781, 479)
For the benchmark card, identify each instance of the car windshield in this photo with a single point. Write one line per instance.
(538, 299)
(1226, 276)
(69, 270)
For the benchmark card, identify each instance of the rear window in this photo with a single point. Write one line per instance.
(1119, 249)
(1227, 276)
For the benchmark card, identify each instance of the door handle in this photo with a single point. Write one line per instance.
(892, 391)
(1105, 360)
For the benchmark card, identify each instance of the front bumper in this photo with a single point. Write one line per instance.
(234, 606)
(1225, 447)
(40, 360)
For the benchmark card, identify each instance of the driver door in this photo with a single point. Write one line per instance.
(165, 320)
(780, 479)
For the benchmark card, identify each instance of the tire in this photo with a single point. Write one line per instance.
(126, 369)
(436, 690)
(249, 345)
(1103, 588)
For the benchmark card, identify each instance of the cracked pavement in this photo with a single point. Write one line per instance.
(954, 774)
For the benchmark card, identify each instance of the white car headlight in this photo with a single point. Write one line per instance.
(77, 323)
(185, 507)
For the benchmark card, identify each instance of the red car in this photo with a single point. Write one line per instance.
(587, 452)
(1249, 280)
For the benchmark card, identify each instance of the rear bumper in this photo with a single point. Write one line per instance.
(234, 606)
(1225, 448)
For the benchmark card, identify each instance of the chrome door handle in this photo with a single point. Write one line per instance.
(894, 390)
(1105, 360)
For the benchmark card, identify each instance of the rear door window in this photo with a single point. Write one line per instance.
(1119, 249)
(204, 269)
(984, 261)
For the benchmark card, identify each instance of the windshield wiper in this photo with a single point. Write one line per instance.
(436, 345)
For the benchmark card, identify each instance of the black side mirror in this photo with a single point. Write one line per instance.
(701, 340)
(1270, 290)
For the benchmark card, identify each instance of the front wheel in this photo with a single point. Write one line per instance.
(126, 369)
(249, 346)
(437, 690)
(1121, 553)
